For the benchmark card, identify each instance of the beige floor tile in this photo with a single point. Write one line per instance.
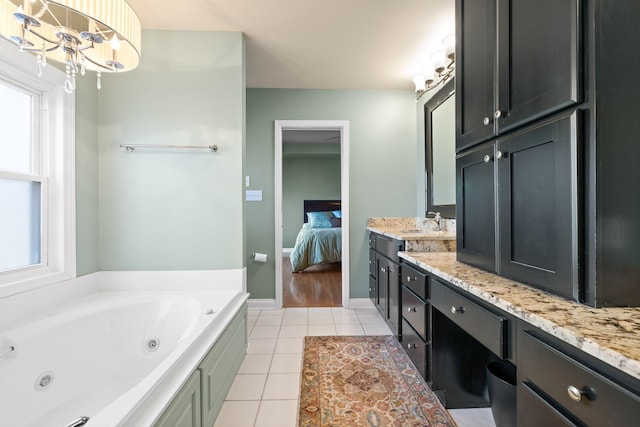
(237, 414)
(349, 330)
(286, 364)
(255, 364)
(261, 345)
(376, 329)
(247, 387)
(290, 345)
(321, 330)
(320, 319)
(292, 331)
(265, 332)
(282, 386)
(277, 413)
(269, 321)
(295, 319)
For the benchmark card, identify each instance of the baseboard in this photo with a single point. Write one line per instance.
(261, 304)
(360, 303)
(270, 304)
(286, 252)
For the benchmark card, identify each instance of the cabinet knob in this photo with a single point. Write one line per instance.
(383, 270)
(409, 279)
(390, 270)
(497, 114)
(486, 121)
(455, 309)
(499, 155)
(411, 346)
(574, 393)
(411, 309)
(486, 158)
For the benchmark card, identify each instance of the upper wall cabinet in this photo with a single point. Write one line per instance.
(519, 60)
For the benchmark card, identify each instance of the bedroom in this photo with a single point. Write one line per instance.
(312, 245)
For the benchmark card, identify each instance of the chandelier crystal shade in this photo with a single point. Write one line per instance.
(96, 35)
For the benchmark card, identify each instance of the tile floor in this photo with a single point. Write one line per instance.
(265, 391)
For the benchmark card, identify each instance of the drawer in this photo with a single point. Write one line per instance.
(416, 348)
(389, 247)
(534, 411)
(414, 310)
(483, 325)
(598, 400)
(415, 280)
(372, 262)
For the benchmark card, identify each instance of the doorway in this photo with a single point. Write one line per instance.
(342, 130)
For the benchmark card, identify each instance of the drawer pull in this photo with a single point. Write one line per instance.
(409, 278)
(574, 393)
(411, 309)
(411, 346)
(455, 309)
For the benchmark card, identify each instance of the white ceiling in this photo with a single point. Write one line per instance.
(319, 44)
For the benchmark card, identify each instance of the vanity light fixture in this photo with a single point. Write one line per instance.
(442, 69)
(100, 35)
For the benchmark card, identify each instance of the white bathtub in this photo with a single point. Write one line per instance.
(115, 357)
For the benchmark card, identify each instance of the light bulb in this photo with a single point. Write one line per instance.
(115, 43)
(419, 82)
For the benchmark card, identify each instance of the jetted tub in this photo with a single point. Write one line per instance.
(115, 357)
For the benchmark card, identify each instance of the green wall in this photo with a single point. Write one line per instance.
(87, 188)
(383, 153)
(306, 177)
(164, 209)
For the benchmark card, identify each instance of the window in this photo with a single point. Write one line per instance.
(37, 209)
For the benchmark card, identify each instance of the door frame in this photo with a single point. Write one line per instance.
(343, 127)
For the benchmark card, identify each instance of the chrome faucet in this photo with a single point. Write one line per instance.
(437, 218)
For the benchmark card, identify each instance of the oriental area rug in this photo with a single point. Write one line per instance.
(364, 381)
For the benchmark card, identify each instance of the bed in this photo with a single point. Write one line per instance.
(320, 238)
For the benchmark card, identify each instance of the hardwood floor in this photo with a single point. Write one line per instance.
(317, 286)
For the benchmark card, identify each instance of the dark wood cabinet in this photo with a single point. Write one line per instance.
(384, 279)
(518, 206)
(539, 59)
(415, 312)
(519, 64)
(538, 214)
(475, 208)
(475, 57)
(559, 385)
(517, 61)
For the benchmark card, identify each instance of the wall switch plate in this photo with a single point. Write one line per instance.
(253, 195)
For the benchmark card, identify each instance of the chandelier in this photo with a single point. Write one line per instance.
(441, 70)
(100, 35)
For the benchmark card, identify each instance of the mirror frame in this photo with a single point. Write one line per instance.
(447, 211)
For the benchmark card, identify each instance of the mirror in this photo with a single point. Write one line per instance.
(440, 141)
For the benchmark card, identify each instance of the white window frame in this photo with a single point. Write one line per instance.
(55, 153)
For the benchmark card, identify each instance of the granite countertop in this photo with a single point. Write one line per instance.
(412, 229)
(609, 334)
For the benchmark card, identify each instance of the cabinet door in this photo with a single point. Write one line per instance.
(393, 279)
(184, 411)
(382, 286)
(538, 59)
(475, 52)
(475, 209)
(373, 296)
(538, 185)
